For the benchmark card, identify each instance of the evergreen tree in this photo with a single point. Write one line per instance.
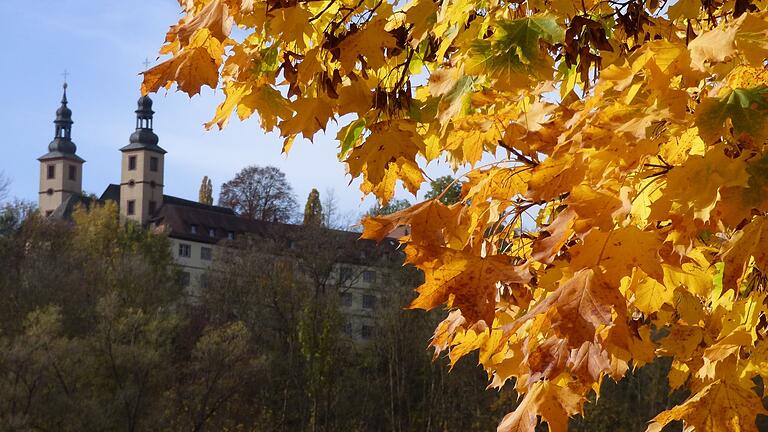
(313, 210)
(205, 196)
(450, 196)
(391, 207)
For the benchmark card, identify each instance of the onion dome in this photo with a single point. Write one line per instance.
(62, 146)
(144, 137)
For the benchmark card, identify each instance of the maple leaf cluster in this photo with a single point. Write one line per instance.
(630, 134)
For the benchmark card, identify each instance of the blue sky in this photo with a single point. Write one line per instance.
(103, 45)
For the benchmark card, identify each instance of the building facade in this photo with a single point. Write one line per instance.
(198, 231)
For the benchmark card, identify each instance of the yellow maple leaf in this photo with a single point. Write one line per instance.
(390, 148)
(289, 24)
(719, 407)
(464, 281)
(552, 239)
(710, 173)
(555, 177)
(312, 114)
(747, 243)
(369, 42)
(618, 252)
(195, 66)
(548, 400)
(421, 219)
(649, 295)
(214, 16)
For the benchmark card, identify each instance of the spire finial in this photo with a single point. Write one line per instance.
(146, 63)
(64, 96)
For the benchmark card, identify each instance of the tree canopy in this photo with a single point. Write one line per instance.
(205, 194)
(632, 132)
(313, 209)
(261, 193)
(446, 189)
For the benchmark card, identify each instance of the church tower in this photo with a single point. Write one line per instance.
(141, 177)
(61, 170)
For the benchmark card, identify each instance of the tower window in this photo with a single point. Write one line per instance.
(185, 250)
(153, 163)
(131, 210)
(152, 207)
(48, 213)
(51, 171)
(72, 173)
(131, 163)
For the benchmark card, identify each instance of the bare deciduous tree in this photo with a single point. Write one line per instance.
(5, 185)
(333, 217)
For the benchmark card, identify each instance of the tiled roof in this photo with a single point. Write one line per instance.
(179, 216)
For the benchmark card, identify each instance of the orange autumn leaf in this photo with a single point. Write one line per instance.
(464, 281)
(550, 401)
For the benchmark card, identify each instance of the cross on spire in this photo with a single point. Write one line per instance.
(146, 63)
(65, 75)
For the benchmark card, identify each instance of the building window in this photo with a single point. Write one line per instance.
(366, 331)
(345, 274)
(369, 276)
(203, 281)
(345, 298)
(51, 171)
(131, 163)
(184, 278)
(369, 301)
(211, 232)
(193, 229)
(153, 162)
(152, 207)
(131, 208)
(185, 250)
(206, 253)
(72, 173)
(347, 328)
(48, 213)
(231, 235)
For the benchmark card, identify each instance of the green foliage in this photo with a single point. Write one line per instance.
(745, 108)
(389, 208)
(514, 53)
(445, 187)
